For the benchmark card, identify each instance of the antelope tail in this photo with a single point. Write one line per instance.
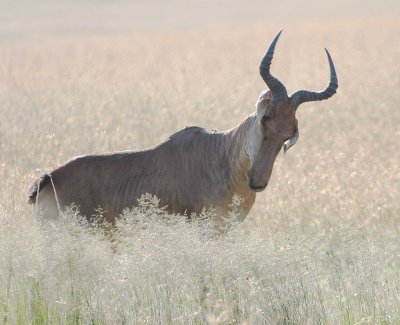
(37, 186)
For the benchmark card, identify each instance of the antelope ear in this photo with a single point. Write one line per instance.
(265, 94)
(291, 142)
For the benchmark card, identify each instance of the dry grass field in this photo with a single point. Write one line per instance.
(322, 243)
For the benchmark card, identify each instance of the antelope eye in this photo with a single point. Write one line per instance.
(265, 118)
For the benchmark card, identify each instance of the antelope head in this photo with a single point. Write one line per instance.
(276, 124)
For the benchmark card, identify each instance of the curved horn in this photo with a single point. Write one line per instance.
(277, 88)
(302, 96)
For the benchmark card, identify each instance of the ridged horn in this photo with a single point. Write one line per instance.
(302, 96)
(277, 88)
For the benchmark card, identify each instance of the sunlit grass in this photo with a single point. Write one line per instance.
(161, 269)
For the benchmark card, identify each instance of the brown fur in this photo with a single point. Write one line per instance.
(193, 169)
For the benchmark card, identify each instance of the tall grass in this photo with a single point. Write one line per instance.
(160, 269)
(320, 246)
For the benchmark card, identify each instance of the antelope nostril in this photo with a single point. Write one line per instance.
(256, 187)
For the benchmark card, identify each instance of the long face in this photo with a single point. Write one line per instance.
(274, 126)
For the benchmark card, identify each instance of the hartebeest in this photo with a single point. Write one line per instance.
(193, 168)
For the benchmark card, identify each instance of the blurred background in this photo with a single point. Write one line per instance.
(21, 19)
